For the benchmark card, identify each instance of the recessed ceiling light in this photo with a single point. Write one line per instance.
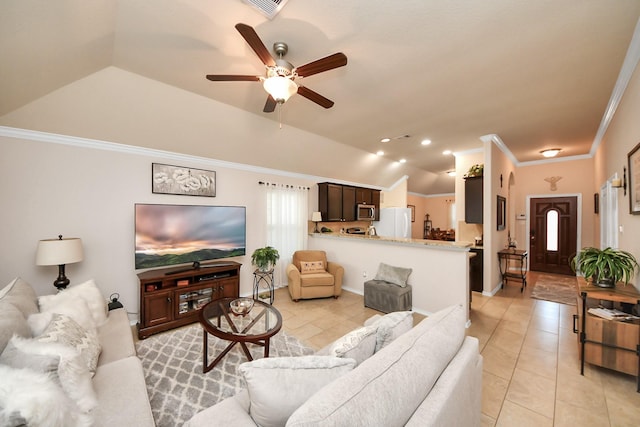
(385, 140)
(379, 153)
(446, 152)
(551, 152)
(451, 173)
(426, 142)
(403, 160)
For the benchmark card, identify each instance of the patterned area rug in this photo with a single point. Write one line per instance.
(560, 289)
(177, 387)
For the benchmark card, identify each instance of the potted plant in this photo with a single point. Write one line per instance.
(475, 170)
(605, 267)
(265, 258)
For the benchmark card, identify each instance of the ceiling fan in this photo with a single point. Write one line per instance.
(280, 77)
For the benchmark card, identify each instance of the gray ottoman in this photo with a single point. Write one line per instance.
(386, 297)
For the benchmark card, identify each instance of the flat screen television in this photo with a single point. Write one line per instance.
(178, 234)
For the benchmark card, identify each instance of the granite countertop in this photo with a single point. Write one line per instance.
(382, 239)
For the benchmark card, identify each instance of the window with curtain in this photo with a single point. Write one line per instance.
(287, 225)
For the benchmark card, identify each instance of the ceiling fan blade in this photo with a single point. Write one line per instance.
(270, 105)
(325, 64)
(315, 97)
(256, 44)
(232, 78)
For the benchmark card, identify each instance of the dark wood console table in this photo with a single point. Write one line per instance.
(507, 255)
(172, 297)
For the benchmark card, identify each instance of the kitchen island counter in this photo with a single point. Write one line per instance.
(440, 269)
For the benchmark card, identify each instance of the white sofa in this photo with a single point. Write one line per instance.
(118, 382)
(430, 375)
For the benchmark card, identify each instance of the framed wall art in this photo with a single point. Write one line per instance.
(167, 179)
(501, 217)
(634, 180)
(413, 212)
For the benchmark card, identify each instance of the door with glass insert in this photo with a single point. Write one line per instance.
(553, 233)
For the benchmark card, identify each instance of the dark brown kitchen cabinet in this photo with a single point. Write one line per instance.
(364, 196)
(338, 202)
(473, 193)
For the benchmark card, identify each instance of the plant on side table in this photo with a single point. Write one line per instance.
(605, 267)
(265, 258)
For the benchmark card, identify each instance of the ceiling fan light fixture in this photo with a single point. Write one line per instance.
(551, 152)
(280, 88)
(451, 173)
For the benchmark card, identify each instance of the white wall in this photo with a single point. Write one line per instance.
(50, 189)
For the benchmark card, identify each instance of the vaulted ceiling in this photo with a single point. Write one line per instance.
(538, 74)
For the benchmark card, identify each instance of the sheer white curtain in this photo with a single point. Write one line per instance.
(287, 225)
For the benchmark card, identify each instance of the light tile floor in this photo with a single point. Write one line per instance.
(531, 360)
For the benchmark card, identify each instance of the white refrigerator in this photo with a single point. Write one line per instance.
(394, 222)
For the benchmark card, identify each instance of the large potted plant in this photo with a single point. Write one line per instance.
(605, 267)
(265, 258)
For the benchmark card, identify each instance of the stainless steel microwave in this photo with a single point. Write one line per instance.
(366, 213)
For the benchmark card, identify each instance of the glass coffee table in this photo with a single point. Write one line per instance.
(256, 327)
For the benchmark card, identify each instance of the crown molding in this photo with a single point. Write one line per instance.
(626, 72)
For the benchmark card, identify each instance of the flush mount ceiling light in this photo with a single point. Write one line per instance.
(425, 142)
(403, 160)
(379, 153)
(451, 173)
(446, 152)
(551, 152)
(385, 140)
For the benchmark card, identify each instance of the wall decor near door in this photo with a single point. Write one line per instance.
(501, 218)
(167, 179)
(634, 180)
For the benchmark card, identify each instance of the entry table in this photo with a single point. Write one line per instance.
(263, 283)
(507, 255)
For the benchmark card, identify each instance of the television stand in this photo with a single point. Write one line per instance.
(171, 297)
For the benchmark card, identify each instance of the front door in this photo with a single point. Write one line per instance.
(553, 234)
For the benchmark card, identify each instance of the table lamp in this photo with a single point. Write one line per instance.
(59, 252)
(316, 217)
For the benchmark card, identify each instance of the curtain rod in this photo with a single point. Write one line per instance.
(284, 185)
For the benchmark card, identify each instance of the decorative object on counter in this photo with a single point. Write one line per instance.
(265, 258)
(552, 180)
(633, 159)
(475, 170)
(605, 267)
(241, 306)
(316, 217)
(59, 252)
(167, 179)
(326, 230)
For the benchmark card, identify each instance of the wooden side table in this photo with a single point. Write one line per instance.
(506, 255)
(263, 282)
(612, 344)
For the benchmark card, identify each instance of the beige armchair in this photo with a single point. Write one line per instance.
(311, 276)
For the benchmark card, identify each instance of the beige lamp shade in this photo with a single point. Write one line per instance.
(316, 217)
(59, 251)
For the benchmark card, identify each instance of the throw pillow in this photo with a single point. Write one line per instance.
(65, 330)
(358, 344)
(21, 294)
(391, 326)
(277, 386)
(87, 291)
(7, 288)
(307, 267)
(71, 370)
(74, 307)
(34, 399)
(396, 275)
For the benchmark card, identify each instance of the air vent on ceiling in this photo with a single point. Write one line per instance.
(269, 8)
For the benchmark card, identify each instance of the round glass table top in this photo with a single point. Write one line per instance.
(262, 321)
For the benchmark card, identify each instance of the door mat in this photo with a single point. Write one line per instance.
(556, 288)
